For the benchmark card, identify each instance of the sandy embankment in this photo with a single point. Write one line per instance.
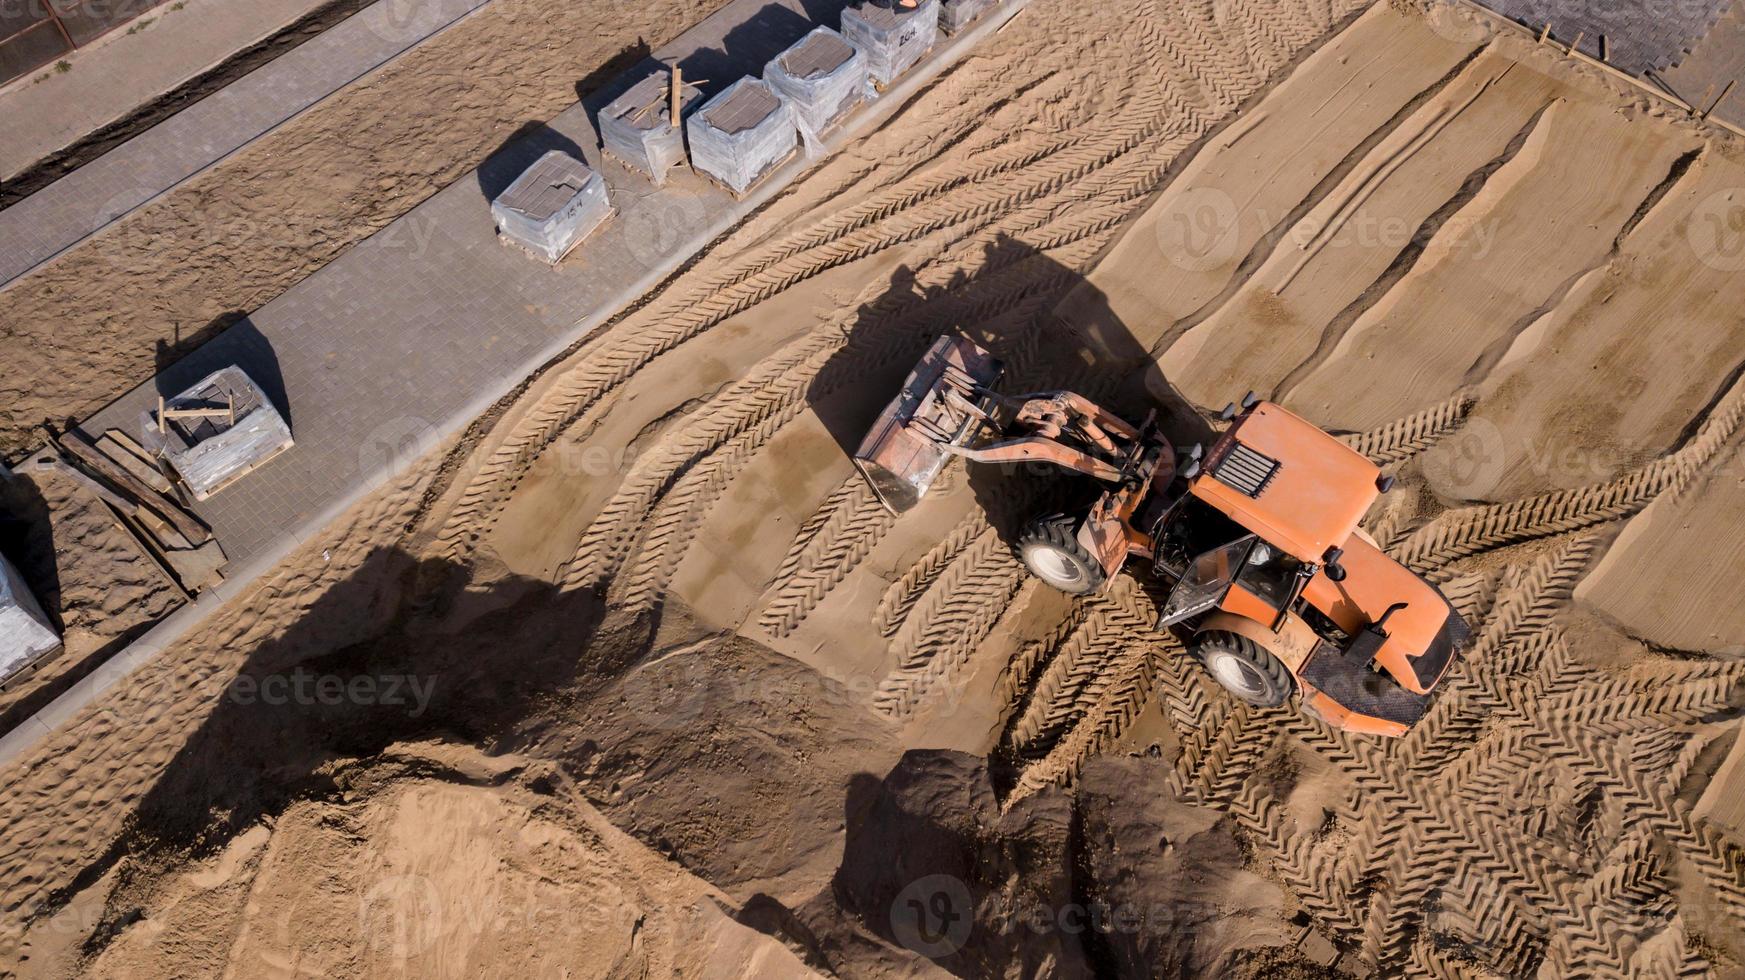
(733, 655)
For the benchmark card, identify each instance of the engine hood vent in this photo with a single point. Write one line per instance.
(1246, 471)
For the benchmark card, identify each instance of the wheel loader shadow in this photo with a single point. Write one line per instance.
(1051, 327)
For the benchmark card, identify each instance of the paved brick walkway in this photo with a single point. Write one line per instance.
(1641, 36)
(82, 203)
(1718, 59)
(47, 110)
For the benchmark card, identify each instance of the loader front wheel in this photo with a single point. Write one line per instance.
(1053, 554)
(1244, 668)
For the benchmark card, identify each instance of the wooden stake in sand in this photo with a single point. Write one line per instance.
(1605, 48)
(1717, 103)
(1545, 35)
(678, 92)
(1577, 42)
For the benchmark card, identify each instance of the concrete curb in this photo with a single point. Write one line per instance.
(173, 627)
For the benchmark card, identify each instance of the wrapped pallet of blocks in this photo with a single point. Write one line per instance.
(742, 134)
(894, 38)
(955, 15)
(216, 432)
(26, 635)
(823, 77)
(552, 206)
(638, 128)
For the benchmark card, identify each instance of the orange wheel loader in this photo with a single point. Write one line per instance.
(1273, 586)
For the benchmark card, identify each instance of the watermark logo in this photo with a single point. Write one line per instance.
(933, 916)
(1455, 24)
(1716, 230)
(400, 916)
(672, 692)
(667, 222)
(395, 445)
(402, 21)
(1469, 463)
(1197, 230)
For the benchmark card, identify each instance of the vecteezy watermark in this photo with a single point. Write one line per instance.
(1200, 230)
(401, 916)
(933, 916)
(1716, 230)
(667, 222)
(308, 689)
(1197, 230)
(1456, 24)
(676, 689)
(1470, 462)
(395, 445)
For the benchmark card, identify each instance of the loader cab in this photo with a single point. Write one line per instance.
(1215, 562)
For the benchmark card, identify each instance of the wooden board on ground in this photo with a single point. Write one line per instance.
(184, 523)
(137, 465)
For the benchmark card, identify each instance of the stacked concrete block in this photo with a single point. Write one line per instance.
(893, 38)
(637, 127)
(238, 431)
(955, 15)
(822, 76)
(741, 135)
(552, 206)
(26, 635)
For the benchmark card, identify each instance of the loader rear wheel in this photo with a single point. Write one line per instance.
(1053, 554)
(1244, 668)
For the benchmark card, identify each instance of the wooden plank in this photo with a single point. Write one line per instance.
(130, 444)
(150, 549)
(145, 472)
(184, 523)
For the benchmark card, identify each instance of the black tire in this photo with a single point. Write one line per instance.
(1244, 668)
(1053, 554)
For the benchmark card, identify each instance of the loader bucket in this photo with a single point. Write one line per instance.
(907, 446)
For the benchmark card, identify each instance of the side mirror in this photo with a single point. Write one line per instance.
(1330, 563)
(1228, 413)
(1191, 470)
(1249, 401)
(1384, 483)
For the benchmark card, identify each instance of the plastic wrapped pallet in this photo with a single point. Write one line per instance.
(637, 127)
(742, 134)
(26, 635)
(823, 77)
(955, 15)
(893, 38)
(242, 431)
(552, 206)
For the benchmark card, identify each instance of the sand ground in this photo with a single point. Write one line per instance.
(673, 655)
